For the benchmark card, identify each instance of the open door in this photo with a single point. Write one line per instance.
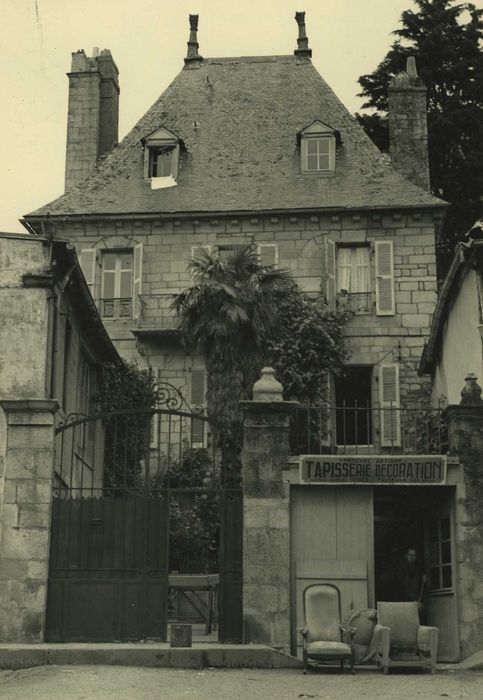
(442, 603)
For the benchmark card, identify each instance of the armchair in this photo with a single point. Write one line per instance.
(323, 637)
(399, 639)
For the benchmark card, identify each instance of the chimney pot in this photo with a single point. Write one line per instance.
(302, 49)
(95, 52)
(193, 57)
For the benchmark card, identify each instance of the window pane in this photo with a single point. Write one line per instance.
(126, 261)
(162, 163)
(312, 146)
(109, 261)
(126, 284)
(312, 162)
(109, 282)
(324, 146)
(433, 554)
(445, 529)
(324, 162)
(447, 578)
(446, 552)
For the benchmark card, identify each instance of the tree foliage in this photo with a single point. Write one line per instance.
(226, 315)
(445, 37)
(241, 315)
(122, 385)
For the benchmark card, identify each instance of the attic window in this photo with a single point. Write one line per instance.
(317, 149)
(161, 158)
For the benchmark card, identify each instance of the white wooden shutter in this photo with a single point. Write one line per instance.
(137, 280)
(268, 253)
(389, 402)
(330, 269)
(384, 278)
(88, 260)
(197, 400)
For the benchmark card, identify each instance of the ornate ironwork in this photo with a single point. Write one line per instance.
(170, 396)
(70, 420)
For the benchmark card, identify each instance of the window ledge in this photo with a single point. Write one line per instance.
(161, 183)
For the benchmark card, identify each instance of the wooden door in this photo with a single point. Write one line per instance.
(441, 598)
(332, 542)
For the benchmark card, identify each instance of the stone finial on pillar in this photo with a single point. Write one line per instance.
(471, 392)
(267, 388)
(193, 56)
(302, 40)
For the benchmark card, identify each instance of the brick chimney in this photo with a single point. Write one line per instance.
(408, 125)
(93, 116)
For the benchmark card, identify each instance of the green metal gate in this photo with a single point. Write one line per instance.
(129, 487)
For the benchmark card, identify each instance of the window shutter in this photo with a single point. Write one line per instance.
(384, 278)
(197, 398)
(268, 254)
(389, 402)
(330, 271)
(137, 278)
(88, 259)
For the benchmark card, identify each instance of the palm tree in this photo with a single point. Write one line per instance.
(226, 316)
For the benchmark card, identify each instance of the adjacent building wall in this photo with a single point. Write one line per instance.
(461, 349)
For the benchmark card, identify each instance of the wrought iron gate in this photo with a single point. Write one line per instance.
(138, 494)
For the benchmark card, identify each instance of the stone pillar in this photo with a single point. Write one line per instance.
(465, 432)
(26, 474)
(266, 516)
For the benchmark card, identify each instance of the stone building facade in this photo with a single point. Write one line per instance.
(259, 150)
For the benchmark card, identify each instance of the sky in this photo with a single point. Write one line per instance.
(147, 39)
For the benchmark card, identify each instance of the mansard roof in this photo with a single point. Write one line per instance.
(237, 120)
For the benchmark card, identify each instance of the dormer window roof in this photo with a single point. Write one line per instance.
(161, 158)
(318, 148)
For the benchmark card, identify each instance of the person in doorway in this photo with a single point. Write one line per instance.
(409, 579)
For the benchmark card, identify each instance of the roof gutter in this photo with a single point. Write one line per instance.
(29, 220)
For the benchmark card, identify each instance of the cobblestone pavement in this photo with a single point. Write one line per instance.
(121, 683)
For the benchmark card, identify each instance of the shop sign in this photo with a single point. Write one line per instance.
(373, 469)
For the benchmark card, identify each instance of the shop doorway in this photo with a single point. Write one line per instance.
(421, 519)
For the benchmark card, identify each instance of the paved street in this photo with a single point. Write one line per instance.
(109, 682)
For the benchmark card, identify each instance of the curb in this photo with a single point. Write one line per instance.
(18, 656)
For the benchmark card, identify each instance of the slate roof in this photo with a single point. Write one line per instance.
(238, 119)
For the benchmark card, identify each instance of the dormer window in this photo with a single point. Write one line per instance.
(317, 148)
(161, 158)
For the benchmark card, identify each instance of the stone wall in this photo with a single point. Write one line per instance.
(26, 472)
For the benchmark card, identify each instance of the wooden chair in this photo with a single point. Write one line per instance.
(323, 637)
(400, 640)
